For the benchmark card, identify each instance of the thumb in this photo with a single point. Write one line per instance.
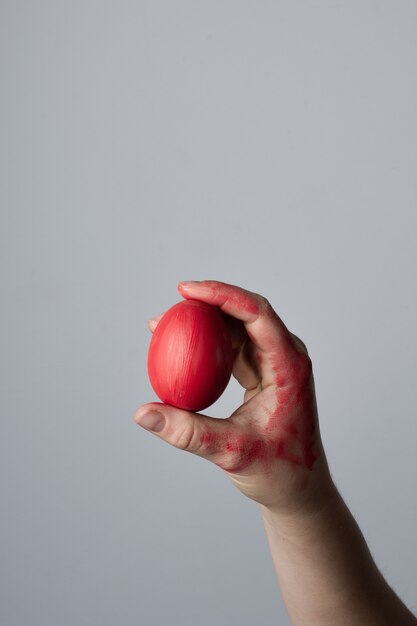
(193, 432)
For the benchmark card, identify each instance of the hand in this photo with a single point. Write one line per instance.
(270, 447)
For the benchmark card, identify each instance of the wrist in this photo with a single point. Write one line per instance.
(320, 509)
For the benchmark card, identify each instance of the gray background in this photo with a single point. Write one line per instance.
(267, 144)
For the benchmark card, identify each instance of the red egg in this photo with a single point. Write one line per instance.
(190, 356)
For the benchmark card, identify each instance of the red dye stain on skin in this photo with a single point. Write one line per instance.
(238, 450)
(239, 298)
(295, 412)
(253, 450)
(288, 435)
(219, 292)
(294, 427)
(212, 441)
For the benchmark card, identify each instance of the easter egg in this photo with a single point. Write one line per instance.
(190, 356)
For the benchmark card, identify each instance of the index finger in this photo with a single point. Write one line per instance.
(263, 325)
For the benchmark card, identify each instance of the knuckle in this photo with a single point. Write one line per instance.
(303, 369)
(230, 462)
(299, 343)
(187, 438)
(264, 302)
(264, 305)
(241, 450)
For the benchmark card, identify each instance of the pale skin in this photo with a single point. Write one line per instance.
(271, 450)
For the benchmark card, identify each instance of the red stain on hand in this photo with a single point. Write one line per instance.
(222, 292)
(289, 433)
(250, 449)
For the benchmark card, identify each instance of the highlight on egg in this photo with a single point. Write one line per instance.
(190, 357)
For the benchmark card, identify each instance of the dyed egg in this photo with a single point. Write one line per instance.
(190, 356)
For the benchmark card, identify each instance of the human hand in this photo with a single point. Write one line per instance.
(270, 447)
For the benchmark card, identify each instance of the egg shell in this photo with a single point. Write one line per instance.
(190, 356)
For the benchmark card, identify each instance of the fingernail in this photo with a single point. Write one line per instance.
(189, 283)
(153, 420)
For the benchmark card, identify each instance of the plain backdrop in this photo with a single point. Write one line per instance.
(268, 144)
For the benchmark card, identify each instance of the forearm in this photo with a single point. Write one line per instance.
(326, 572)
